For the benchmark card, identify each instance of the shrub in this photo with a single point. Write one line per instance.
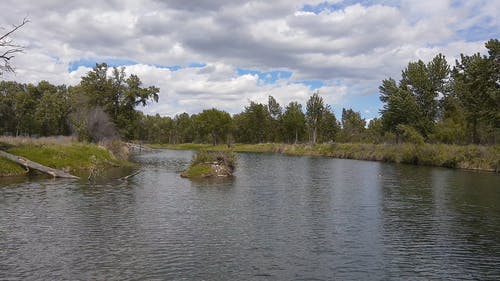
(409, 134)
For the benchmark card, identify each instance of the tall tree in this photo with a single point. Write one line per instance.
(275, 111)
(314, 113)
(294, 122)
(329, 126)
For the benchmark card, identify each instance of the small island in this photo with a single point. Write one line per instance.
(211, 164)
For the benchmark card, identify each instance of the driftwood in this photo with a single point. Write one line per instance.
(131, 175)
(36, 166)
(137, 147)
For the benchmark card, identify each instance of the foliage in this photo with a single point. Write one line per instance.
(214, 123)
(118, 95)
(353, 126)
(409, 134)
(253, 125)
(294, 123)
(477, 89)
(314, 112)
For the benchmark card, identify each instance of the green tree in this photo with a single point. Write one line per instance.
(253, 125)
(215, 123)
(329, 126)
(53, 109)
(294, 122)
(353, 126)
(399, 106)
(314, 113)
(118, 95)
(275, 111)
(475, 89)
(8, 120)
(375, 131)
(183, 131)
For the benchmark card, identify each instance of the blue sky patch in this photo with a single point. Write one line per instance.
(113, 62)
(268, 77)
(313, 84)
(72, 66)
(325, 6)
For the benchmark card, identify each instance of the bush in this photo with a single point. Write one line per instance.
(409, 134)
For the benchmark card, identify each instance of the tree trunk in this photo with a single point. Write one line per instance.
(36, 166)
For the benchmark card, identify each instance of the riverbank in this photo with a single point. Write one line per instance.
(472, 157)
(62, 153)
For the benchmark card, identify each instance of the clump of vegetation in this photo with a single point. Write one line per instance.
(210, 164)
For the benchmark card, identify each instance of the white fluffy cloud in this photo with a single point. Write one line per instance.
(349, 47)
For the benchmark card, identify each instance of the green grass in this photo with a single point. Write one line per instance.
(75, 158)
(9, 168)
(201, 164)
(474, 157)
(198, 171)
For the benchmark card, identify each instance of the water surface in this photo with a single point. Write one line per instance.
(280, 218)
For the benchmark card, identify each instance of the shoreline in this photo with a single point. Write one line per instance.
(82, 159)
(469, 157)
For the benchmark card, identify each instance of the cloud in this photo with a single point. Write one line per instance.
(347, 46)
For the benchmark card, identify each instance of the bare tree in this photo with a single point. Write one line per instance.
(8, 48)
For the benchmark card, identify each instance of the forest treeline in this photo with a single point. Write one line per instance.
(432, 102)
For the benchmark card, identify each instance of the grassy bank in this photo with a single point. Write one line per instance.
(485, 158)
(59, 153)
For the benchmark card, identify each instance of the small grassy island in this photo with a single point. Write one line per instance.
(211, 164)
(62, 153)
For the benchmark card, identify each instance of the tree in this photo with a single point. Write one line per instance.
(215, 123)
(294, 122)
(375, 131)
(399, 106)
(183, 129)
(474, 88)
(275, 112)
(118, 95)
(8, 49)
(52, 110)
(253, 125)
(314, 112)
(329, 126)
(353, 125)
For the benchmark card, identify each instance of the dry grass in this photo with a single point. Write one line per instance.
(56, 140)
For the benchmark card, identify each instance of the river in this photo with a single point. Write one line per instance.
(280, 218)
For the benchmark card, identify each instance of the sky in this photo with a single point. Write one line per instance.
(226, 53)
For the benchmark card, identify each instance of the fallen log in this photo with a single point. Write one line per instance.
(36, 166)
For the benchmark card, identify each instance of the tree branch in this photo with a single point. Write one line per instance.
(10, 48)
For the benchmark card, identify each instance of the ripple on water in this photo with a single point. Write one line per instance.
(280, 218)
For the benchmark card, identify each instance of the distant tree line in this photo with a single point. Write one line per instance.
(431, 103)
